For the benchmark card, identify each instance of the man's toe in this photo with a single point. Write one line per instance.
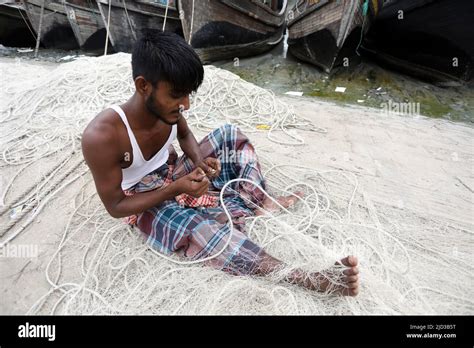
(351, 271)
(351, 279)
(349, 261)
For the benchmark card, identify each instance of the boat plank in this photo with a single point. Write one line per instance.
(56, 31)
(223, 29)
(128, 19)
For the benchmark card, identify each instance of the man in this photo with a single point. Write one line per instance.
(175, 201)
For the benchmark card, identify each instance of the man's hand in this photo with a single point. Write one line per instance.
(189, 145)
(211, 166)
(173, 155)
(194, 184)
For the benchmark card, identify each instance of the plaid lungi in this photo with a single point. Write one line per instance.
(201, 231)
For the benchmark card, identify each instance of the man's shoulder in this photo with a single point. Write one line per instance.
(102, 129)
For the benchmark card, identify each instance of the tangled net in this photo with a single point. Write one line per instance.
(102, 266)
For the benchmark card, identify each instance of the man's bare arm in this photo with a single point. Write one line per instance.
(188, 143)
(99, 146)
(190, 147)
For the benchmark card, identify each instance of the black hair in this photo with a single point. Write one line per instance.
(165, 56)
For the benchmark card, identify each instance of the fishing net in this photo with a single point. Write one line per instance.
(409, 264)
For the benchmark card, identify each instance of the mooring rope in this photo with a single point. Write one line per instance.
(108, 29)
(40, 27)
(166, 15)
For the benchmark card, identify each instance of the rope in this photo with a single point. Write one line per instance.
(38, 184)
(108, 29)
(231, 225)
(27, 24)
(102, 266)
(38, 209)
(129, 21)
(192, 25)
(365, 9)
(166, 15)
(123, 277)
(96, 11)
(224, 97)
(40, 26)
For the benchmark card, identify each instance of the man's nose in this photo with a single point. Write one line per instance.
(184, 103)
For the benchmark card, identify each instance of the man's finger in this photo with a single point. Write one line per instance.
(198, 175)
(203, 182)
(204, 166)
(202, 190)
(216, 164)
(205, 185)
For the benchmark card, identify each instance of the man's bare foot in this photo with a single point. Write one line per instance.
(285, 201)
(343, 279)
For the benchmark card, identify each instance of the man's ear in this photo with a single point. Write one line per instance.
(142, 86)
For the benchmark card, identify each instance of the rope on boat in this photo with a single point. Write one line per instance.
(40, 27)
(166, 15)
(27, 24)
(365, 13)
(108, 29)
(192, 25)
(129, 21)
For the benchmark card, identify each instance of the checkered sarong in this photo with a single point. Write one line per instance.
(195, 228)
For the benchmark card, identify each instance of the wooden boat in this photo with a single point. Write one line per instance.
(15, 28)
(56, 32)
(323, 32)
(87, 24)
(223, 29)
(128, 18)
(433, 40)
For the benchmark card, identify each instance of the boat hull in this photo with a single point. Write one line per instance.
(56, 32)
(228, 29)
(87, 24)
(325, 32)
(14, 31)
(432, 42)
(126, 22)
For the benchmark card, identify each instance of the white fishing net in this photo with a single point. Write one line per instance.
(408, 264)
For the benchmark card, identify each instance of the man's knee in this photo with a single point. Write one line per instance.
(229, 129)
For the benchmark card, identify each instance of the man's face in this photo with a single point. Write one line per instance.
(165, 104)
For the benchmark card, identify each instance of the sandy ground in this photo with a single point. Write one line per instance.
(416, 164)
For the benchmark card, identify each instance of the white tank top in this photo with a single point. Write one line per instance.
(140, 167)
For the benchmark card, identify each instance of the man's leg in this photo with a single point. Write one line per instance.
(238, 160)
(242, 256)
(342, 279)
(196, 235)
